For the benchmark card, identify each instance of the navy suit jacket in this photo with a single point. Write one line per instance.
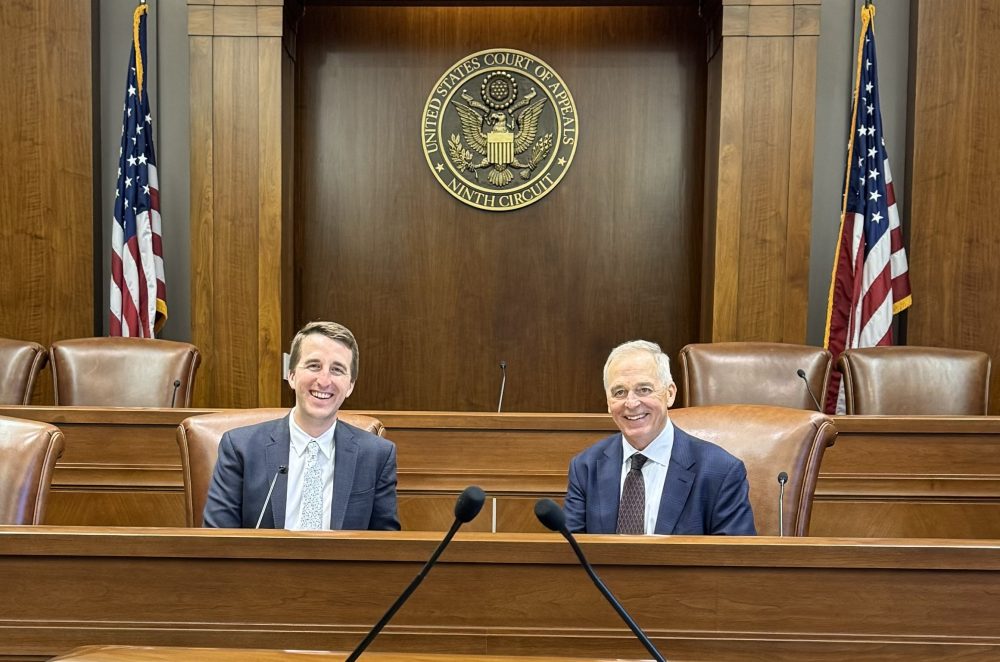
(364, 478)
(705, 492)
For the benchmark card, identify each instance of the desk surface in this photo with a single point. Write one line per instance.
(175, 654)
(506, 594)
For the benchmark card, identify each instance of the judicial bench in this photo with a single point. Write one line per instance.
(886, 476)
(698, 598)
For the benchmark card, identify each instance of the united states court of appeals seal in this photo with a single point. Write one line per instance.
(499, 129)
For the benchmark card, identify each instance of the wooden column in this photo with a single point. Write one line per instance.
(241, 104)
(950, 211)
(758, 164)
(47, 164)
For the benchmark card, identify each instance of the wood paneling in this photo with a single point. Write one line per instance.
(954, 168)
(239, 212)
(47, 173)
(762, 78)
(915, 477)
(734, 599)
(176, 654)
(437, 292)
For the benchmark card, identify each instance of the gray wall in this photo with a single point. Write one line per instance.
(168, 89)
(167, 84)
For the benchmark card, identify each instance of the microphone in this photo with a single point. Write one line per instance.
(782, 479)
(802, 373)
(551, 515)
(503, 383)
(173, 398)
(468, 505)
(281, 470)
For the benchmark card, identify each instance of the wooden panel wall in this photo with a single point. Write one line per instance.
(955, 167)
(46, 173)
(438, 292)
(241, 103)
(685, 215)
(759, 151)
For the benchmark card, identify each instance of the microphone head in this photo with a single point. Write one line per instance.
(282, 469)
(550, 515)
(469, 503)
(177, 383)
(782, 478)
(503, 365)
(801, 373)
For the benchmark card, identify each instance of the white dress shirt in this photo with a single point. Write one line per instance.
(297, 456)
(654, 471)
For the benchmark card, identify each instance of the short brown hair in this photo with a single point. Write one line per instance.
(331, 330)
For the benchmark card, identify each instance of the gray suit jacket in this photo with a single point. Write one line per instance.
(705, 490)
(364, 479)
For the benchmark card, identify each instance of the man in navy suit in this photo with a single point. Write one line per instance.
(653, 477)
(337, 476)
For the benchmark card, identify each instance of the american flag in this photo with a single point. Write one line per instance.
(870, 276)
(138, 290)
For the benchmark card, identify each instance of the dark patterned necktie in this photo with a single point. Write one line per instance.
(632, 509)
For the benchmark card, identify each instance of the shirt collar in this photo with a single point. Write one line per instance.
(659, 449)
(300, 439)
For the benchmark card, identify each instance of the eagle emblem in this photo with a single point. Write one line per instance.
(500, 129)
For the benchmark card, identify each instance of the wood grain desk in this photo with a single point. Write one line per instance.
(166, 654)
(499, 594)
(936, 477)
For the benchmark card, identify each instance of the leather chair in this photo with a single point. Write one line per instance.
(199, 437)
(28, 454)
(769, 440)
(124, 372)
(20, 363)
(915, 381)
(752, 373)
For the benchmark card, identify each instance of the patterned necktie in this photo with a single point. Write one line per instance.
(311, 518)
(632, 509)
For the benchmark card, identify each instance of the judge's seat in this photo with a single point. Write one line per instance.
(752, 373)
(769, 440)
(124, 372)
(20, 363)
(198, 438)
(28, 454)
(915, 381)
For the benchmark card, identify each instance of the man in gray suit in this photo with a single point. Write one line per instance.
(327, 474)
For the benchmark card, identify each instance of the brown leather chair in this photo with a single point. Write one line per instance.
(124, 372)
(28, 454)
(915, 381)
(769, 440)
(199, 437)
(752, 373)
(20, 363)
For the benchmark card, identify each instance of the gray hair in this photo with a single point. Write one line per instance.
(641, 347)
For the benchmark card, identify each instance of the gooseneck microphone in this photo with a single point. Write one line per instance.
(173, 398)
(551, 515)
(281, 470)
(802, 373)
(782, 479)
(468, 505)
(503, 383)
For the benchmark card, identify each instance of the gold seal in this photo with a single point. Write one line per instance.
(499, 129)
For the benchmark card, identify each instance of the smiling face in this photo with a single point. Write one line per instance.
(322, 381)
(637, 397)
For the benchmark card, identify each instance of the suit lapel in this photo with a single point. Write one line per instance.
(609, 477)
(276, 453)
(678, 484)
(345, 463)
